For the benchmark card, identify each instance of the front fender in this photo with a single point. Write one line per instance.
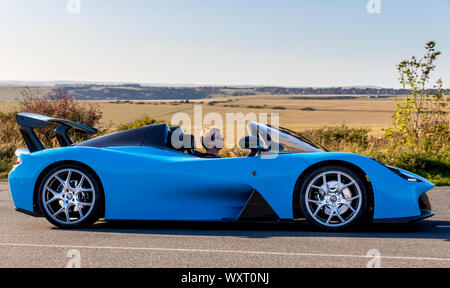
(394, 197)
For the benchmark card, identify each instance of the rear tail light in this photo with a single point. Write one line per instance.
(19, 153)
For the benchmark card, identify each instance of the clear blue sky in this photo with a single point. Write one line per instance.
(278, 42)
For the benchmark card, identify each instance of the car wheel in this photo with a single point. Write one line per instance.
(333, 198)
(69, 197)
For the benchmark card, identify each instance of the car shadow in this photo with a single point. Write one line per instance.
(425, 229)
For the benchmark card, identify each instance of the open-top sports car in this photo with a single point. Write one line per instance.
(156, 173)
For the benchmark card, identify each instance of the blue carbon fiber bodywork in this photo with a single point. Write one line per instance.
(144, 183)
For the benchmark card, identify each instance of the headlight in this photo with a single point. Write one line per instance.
(405, 176)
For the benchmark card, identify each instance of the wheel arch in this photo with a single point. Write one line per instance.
(53, 165)
(296, 196)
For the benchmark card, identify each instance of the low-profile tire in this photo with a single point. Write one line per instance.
(69, 196)
(334, 198)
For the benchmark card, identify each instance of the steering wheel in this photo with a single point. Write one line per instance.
(252, 143)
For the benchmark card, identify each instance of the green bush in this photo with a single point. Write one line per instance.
(7, 159)
(435, 168)
(420, 138)
(433, 165)
(59, 107)
(340, 138)
(421, 118)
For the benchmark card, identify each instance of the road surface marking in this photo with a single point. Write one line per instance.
(216, 251)
(443, 226)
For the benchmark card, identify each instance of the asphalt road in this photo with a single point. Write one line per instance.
(26, 241)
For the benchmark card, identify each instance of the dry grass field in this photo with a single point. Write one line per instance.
(296, 114)
(370, 113)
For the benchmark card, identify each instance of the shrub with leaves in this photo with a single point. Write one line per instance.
(342, 138)
(65, 107)
(433, 166)
(60, 106)
(421, 118)
(420, 139)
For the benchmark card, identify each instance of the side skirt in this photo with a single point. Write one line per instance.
(257, 209)
(423, 215)
(34, 214)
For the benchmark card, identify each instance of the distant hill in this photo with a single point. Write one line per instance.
(95, 91)
(138, 92)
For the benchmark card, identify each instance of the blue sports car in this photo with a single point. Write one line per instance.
(156, 173)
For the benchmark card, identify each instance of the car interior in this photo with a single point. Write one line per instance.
(180, 141)
(164, 136)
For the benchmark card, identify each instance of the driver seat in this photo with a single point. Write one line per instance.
(189, 144)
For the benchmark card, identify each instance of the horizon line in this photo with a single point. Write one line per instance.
(53, 83)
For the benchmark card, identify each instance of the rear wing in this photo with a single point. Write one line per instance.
(29, 121)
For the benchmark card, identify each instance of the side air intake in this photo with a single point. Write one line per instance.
(257, 209)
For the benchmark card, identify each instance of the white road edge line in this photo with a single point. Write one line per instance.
(443, 226)
(216, 251)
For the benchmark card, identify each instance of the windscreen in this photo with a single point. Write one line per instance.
(278, 141)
